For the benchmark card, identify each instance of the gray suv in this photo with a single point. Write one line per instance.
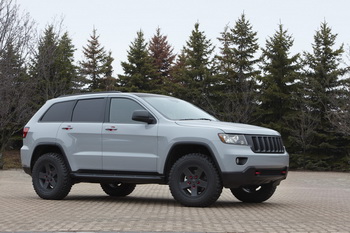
(123, 139)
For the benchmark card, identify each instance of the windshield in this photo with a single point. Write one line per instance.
(176, 109)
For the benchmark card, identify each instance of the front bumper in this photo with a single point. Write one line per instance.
(254, 176)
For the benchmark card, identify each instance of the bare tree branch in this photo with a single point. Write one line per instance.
(16, 36)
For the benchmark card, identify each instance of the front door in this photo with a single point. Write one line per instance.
(128, 145)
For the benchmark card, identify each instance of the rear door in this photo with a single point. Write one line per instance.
(81, 137)
(128, 145)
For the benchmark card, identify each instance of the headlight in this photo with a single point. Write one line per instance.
(235, 139)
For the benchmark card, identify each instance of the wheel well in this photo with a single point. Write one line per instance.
(43, 149)
(180, 150)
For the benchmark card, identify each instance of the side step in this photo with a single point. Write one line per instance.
(125, 178)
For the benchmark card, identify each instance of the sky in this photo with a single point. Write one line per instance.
(117, 21)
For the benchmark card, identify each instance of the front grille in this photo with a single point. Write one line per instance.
(265, 144)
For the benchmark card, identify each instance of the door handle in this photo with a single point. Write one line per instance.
(68, 127)
(112, 128)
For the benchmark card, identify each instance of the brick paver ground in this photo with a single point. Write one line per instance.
(305, 202)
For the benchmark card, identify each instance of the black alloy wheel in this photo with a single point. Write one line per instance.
(194, 181)
(50, 176)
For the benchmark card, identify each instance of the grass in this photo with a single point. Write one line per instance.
(11, 159)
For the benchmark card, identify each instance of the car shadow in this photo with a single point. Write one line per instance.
(169, 201)
(127, 199)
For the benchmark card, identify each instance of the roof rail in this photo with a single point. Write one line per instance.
(88, 93)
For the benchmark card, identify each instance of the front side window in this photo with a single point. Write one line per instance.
(89, 110)
(122, 109)
(59, 112)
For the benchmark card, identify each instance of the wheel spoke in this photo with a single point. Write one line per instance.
(188, 173)
(202, 183)
(194, 191)
(42, 175)
(46, 184)
(199, 172)
(53, 183)
(47, 168)
(53, 172)
(185, 185)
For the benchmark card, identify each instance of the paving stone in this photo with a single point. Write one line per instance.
(305, 202)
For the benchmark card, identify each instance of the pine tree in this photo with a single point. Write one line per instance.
(43, 65)
(67, 71)
(52, 65)
(163, 59)
(279, 82)
(139, 70)
(16, 91)
(178, 71)
(94, 64)
(236, 73)
(108, 82)
(323, 80)
(195, 75)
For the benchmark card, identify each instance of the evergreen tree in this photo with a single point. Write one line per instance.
(299, 127)
(175, 84)
(163, 59)
(52, 65)
(42, 67)
(16, 91)
(195, 75)
(67, 71)
(279, 82)
(323, 81)
(108, 82)
(236, 73)
(93, 67)
(139, 70)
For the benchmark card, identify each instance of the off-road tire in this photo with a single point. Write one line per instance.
(50, 177)
(118, 189)
(254, 194)
(194, 181)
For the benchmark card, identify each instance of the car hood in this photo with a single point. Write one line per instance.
(229, 127)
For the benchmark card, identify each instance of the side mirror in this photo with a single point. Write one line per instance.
(143, 116)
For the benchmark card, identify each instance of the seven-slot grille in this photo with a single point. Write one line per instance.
(265, 144)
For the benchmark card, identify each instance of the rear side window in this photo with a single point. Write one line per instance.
(122, 109)
(59, 112)
(89, 110)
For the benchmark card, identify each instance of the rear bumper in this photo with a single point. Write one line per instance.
(254, 176)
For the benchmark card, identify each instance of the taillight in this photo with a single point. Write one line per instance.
(25, 131)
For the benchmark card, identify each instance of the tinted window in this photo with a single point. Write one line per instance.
(89, 110)
(59, 112)
(121, 110)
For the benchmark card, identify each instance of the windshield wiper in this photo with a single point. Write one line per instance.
(195, 119)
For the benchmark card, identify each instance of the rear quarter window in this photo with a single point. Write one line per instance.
(59, 112)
